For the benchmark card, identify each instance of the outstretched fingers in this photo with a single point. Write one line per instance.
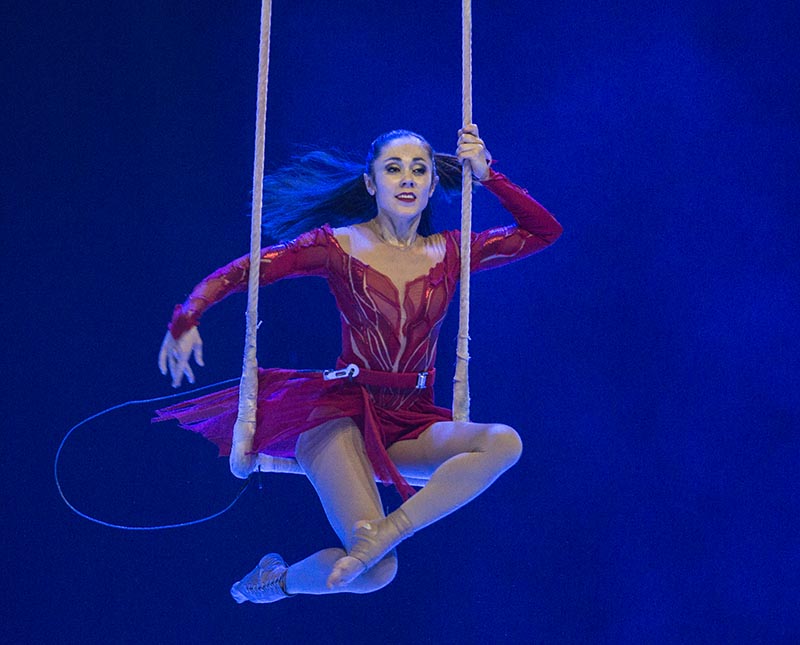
(197, 350)
(182, 368)
(162, 360)
(174, 355)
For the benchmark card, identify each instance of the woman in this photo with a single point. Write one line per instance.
(392, 282)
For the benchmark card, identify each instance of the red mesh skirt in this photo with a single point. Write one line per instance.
(291, 402)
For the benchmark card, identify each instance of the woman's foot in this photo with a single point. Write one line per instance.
(372, 540)
(265, 583)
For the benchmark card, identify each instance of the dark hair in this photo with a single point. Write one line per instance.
(327, 187)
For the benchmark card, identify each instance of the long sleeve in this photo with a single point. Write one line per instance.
(305, 256)
(536, 228)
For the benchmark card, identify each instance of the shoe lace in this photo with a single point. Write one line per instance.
(266, 583)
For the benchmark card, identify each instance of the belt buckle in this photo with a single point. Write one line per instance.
(350, 371)
(422, 380)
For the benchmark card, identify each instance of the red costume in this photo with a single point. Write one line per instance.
(383, 331)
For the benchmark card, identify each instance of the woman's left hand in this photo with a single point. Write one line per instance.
(472, 148)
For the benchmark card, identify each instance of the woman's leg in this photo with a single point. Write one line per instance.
(461, 459)
(333, 457)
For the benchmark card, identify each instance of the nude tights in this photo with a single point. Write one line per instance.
(458, 460)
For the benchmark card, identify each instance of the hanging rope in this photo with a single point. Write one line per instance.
(241, 462)
(461, 378)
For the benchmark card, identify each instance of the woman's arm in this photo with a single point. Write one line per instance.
(536, 228)
(306, 255)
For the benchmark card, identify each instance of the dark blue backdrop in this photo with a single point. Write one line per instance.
(649, 359)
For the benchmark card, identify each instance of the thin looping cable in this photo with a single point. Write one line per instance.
(461, 378)
(123, 526)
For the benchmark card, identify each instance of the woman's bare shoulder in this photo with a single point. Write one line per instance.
(345, 235)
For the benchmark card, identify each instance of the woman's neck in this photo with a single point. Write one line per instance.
(400, 234)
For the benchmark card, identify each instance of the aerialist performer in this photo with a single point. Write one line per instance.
(367, 231)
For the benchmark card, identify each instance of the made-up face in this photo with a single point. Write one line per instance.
(402, 179)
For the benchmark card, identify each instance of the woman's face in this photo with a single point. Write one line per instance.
(402, 179)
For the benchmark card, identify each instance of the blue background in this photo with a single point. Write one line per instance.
(649, 359)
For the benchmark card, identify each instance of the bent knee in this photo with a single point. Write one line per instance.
(505, 443)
